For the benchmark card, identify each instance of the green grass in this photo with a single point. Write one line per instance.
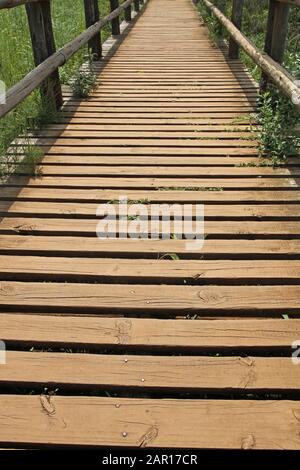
(16, 60)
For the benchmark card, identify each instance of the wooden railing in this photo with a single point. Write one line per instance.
(47, 59)
(270, 60)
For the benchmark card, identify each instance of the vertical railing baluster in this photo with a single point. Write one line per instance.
(236, 18)
(127, 14)
(92, 15)
(43, 46)
(115, 23)
(276, 35)
(136, 5)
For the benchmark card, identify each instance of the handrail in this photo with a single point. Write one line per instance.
(278, 74)
(37, 76)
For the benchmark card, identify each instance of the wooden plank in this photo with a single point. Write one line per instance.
(168, 160)
(169, 423)
(237, 122)
(233, 229)
(89, 210)
(67, 225)
(135, 133)
(157, 183)
(149, 299)
(147, 333)
(239, 374)
(150, 101)
(92, 246)
(214, 113)
(166, 271)
(136, 112)
(163, 171)
(196, 87)
(234, 145)
(118, 149)
(41, 193)
(169, 76)
(82, 118)
(209, 129)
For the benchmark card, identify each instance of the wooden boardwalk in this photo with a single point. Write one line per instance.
(147, 348)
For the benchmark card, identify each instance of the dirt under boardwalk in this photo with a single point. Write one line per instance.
(168, 122)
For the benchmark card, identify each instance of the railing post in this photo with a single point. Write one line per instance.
(127, 14)
(277, 29)
(221, 4)
(236, 18)
(43, 46)
(115, 23)
(136, 5)
(280, 31)
(92, 15)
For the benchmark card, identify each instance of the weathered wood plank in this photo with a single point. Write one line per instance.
(230, 373)
(92, 246)
(180, 195)
(147, 333)
(158, 183)
(150, 298)
(149, 423)
(163, 171)
(166, 271)
(92, 211)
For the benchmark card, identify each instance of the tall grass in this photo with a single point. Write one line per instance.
(16, 60)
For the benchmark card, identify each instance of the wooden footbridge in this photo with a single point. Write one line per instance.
(136, 343)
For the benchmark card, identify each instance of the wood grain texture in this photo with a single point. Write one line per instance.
(90, 210)
(177, 194)
(149, 423)
(148, 334)
(150, 372)
(90, 246)
(194, 271)
(149, 299)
